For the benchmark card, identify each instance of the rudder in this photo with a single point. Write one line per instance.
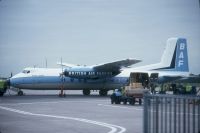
(181, 63)
(175, 56)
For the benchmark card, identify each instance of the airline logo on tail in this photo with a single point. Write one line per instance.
(179, 61)
(181, 56)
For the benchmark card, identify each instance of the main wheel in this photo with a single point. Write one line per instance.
(20, 93)
(1, 94)
(140, 101)
(132, 101)
(112, 98)
(119, 99)
(86, 92)
(103, 92)
(124, 101)
(112, 101)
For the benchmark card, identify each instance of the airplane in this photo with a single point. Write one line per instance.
(106, 76)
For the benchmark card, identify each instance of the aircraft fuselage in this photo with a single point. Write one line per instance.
(50, 79)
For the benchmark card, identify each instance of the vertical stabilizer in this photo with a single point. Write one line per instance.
(175, 56)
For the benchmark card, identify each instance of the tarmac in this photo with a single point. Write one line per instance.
(44, 111)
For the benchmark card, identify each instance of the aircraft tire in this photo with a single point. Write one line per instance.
(124, 101)
(1, 94)
(133, 102)
(86, 92)
(103, 92)
(140, 101)
(112, 102)
(20, 93)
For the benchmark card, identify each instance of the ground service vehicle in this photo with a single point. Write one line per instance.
(3, 86)
(138, 85)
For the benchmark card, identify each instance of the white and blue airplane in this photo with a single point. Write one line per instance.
(104, 77)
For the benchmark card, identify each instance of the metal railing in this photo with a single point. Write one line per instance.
(171, 114)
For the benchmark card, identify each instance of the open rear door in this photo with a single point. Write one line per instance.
(139, 78)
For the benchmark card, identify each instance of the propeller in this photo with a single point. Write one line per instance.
(8, 80)
(62, 80)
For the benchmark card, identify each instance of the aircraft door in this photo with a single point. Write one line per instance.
(154, 77)
(136, 77)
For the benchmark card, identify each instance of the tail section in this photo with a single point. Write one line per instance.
(175, 56)
(181, 56)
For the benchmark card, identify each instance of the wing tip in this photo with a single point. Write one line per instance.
(134, 60)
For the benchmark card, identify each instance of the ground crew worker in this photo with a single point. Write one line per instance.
(162, 91)
(3, 87)
(188, 88)
(118, 92)
(152, 88)
(194, 91)
(115, 97)
(165, 87)
(123, 90)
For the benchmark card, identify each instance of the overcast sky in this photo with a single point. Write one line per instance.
(94, 31)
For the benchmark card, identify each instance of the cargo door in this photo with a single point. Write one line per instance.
(138, 79)
(154, 77)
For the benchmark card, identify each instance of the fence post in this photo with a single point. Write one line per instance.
(145, 115)
(174, 115)
(193, 113)
(184, 115)
(157, 111)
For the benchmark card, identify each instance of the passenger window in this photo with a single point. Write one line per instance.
(26, 71)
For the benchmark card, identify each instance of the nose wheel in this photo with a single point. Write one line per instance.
(86, 92)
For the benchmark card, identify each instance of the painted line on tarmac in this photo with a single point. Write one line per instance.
(123, 107)
(115, 106)
(27, 103)
(114, 128)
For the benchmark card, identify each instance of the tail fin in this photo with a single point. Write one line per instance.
(175, 56)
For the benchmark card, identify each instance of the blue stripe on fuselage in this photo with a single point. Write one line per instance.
(58, 80)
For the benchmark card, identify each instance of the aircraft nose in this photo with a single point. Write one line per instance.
(12, 81)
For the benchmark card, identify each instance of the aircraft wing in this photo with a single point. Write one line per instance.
(116, 65)
(102, 71)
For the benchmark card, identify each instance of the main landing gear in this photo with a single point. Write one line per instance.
(62, 93)
(20, 93)
(103, 92)
(86, 92)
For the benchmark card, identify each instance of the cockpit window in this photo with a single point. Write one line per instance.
(26, 71)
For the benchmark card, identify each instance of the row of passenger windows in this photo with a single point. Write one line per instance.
(111, 80)
(88, 73)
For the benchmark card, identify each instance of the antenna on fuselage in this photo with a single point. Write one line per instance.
(46, 62)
